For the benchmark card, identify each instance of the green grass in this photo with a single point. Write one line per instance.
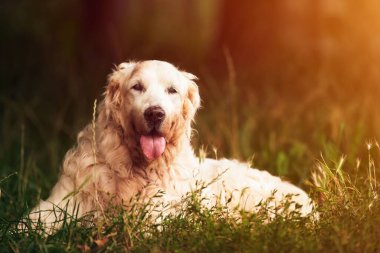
(348, 222)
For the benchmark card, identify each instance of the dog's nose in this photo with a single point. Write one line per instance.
(154, 115)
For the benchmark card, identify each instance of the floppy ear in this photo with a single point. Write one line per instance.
(113, 96)
(193, 100)
(189, 76)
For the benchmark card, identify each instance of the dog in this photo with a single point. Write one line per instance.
(139, 144)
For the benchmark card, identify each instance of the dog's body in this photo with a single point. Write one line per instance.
(140, 144)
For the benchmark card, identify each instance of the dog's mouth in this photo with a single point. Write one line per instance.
(153, 145)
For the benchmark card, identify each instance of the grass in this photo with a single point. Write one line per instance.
(323, 148)
(348, 222)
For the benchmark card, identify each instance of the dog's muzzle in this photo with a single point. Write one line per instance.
(154, 116)
(153, 143)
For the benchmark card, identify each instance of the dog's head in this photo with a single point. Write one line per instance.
(154, 102)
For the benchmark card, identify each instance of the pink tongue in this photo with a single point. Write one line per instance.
(152, 146)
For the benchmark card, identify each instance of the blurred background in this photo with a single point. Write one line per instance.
(282, 81)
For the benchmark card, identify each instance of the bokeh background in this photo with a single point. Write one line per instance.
(282, 81)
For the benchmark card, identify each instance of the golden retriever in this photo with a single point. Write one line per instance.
(140, 144)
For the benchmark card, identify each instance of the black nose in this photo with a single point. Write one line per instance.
(154, 115)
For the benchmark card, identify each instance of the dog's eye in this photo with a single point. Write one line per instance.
(138, 87)
(171, 90)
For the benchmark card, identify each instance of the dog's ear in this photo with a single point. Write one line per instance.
(193, 100)
(189, 76)
(113, 95)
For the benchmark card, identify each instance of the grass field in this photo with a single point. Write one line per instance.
(301, 102)
(319, 141)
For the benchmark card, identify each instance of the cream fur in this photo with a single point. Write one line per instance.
(113, 169)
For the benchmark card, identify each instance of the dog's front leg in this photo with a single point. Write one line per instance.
(60, 207)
